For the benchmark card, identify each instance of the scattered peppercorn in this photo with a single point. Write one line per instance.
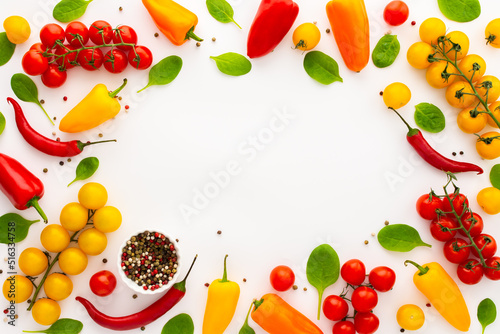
(42, 101)
(176, 240)
(45, 170)
(28, 301)
(402, 330)
(5, 311)
(373, 234)
(55, 118)
(413, 23)
(315, 22)
(119, 98)
(127, 107)
(198, 44)
(120, 9)
(381, 93)
(61, 163)
(244, 280)
(461, 152)
(219, 232)
(157, 34)
(305, 289)
(328, 30)
(428, 304)
(143, 328)
(1, 271)
(53, 133)
(366, 242)
(454, 153)
(213, 39)
(134, 296)
(104, 260)
(16, 316)
(65, 98)
(295, 287)
(58, 139)
(69, 160)
(207, 285)
(386, 223)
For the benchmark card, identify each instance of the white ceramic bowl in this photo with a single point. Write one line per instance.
(134, 286)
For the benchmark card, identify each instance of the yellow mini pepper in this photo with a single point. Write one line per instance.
(443, 293)
(96, 108)
(173, 20)
(221, 304)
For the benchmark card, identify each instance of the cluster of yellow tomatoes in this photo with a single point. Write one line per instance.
(77, 218)
(449, 65)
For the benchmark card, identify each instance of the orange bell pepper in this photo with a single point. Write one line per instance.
(173, 20)
(351, 29)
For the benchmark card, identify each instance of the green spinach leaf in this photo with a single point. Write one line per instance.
(62, 326)
(386, 51)
(233, 64)
(486, 313)
(26, 90)
(495, 176)
(85, 169)
(400, 238)
(460, 10)
(7, 49)
(70, 10)
(164, 72)
(180, 324)
(14, 228)
(222, 11)
(321, 67)
(246, 329)
(323, 269)
(2, 122)
(429, 117)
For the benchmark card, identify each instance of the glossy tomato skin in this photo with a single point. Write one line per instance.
(442, 228)
(474, 227)
(366, 322)
(115, 61)
(396, 13)
(460, 202)
(39, 47)
(470, 271)
(344, 327)
(125, 34)
(427, 206)
(90, 59)
(53, 77)
(493, 272)
(487, 244)
(50, 34)
(69, 58)
(141, 59)
(335, 308)
(456, 250)
(353, 272)
(382, 278)
(282, 278)
(106, 37)
(34, 63)
(102, 283)
(77, 34)
(364, 299)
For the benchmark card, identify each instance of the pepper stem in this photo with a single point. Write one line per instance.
(191, 34)
(34, 203)
(224, 275)
(115, 92)
(423, 270)
(411, 131)
(82, 145)
(257, 303)
(181, 286)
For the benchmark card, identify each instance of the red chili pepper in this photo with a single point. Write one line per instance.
(44, 144)
(272, 22)
(21, 187)
(435, 159)
(141, 318)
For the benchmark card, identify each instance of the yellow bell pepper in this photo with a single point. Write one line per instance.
(443, 293)
(96, 108)
(221, 304)
(173, 20)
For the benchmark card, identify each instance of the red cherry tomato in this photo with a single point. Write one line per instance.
(472, 223)
(67, 58)
(353, 272)
(364, 299)
(115, 61)
(53, 77)
(366, 322)
(102, 283)
(90, 59)
(442, 228)
(456, 250)
(282, 278)
(125, 34)
(493, 268)
(460, 202)
(470, 271)
(382, 278)
(77, 34)
(141, 59)
(396, 13)
(38, 47)
(344, 327)
(335, 308)
(427, 206)
(34, 63)
(101, 32)
(50, 34)
(487, 244)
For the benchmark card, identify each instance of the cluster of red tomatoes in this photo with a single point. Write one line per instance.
(61, 49)
(458, 247)
(363, 299)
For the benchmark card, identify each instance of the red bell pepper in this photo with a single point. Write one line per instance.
(20, 186)
(272, 22)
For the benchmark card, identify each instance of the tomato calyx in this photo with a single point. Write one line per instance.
(486, 140)
(491, 38)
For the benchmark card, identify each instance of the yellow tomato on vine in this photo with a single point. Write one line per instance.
(54, 238)
(492, 33)
(92, 241)
(33, 261)
(471, 122)
(490, 85)
(58, 286)
(431, 29)
(473, 67)
(495, 110)
(93, 195)
(418, 54)
(440, 74)
(306, 36)
(460, 94)
(73, 261)
(489, 200)
(107, 219)
(74, 216)
(488, 145)
(46, 311)
(456, 37)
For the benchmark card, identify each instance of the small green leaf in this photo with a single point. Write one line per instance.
(222, 11)
(486, 313)
(70, 10)
(386, 51)
(321, 67)
(164, 72)
(246, 329)
(429, 117)
(26, 90)
(233, 64)
(180, 324)
(495, 176)
(2, 122)
(460, 10)
(400, 238)
(62, 326)
(85, 169)
(14, 228)
(6, 49)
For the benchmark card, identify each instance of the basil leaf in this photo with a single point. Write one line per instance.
(246, 329)
(180, 324)
(221, 10)
(164, 72)
(400, 238)
(85, 169)
(386, 51)
(2, 123)
(486, 313)
(70, 10)
(429, 117)
(62, 326)
(321, 67)
(14, 228)
(460, 10)
(26, 90)
(495, 176)
(233, 64)
(6, 49)
(322, 270)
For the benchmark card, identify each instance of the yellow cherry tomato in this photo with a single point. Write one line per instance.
(469, 121)
(489, 200)
(456, 37)
(473, 67)
(488, 84)
(410, 317)
(17, 288)
(33, 261)
(306, 36)
(58, 286)
(396, 95)
(92, 241)
(488, 145)
(54, 238)
(440, 74)
(492, 33)
(93, 195)
(107, 219)
(74, 216)
(460, 94)
(431, 29)
(495, 110)
(17, 29)
(46, 311)
(73, 261)
(418, 54)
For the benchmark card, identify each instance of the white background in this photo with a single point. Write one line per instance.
(325, 178)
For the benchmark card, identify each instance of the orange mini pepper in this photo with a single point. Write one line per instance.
(173, 20)
(351, 29)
